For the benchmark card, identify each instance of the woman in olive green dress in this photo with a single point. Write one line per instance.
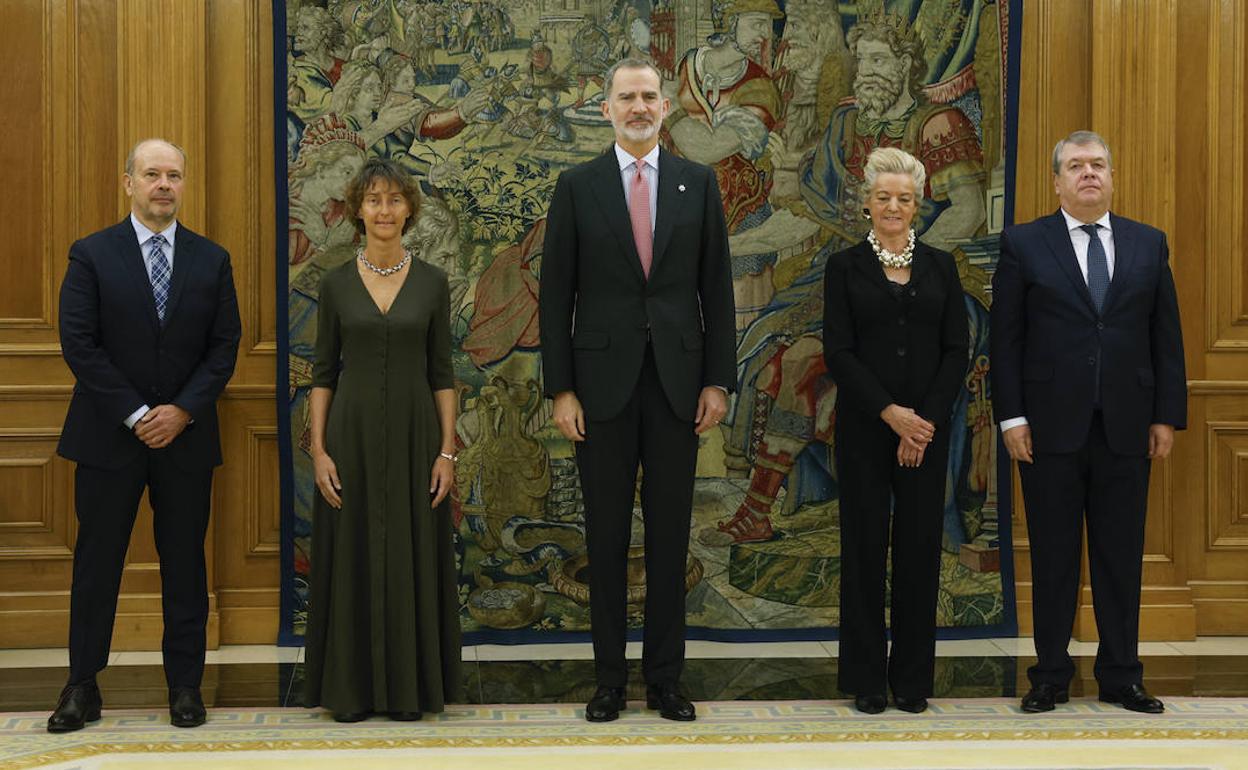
(383, 622)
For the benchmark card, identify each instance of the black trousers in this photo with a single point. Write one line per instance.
(106, 503)
(648, 433)
(1110, 491)
(872, 486)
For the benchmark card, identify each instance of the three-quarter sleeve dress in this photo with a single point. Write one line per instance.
(383, 624)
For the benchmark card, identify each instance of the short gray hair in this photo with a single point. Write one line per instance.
(890, 160)
(631, 63)
(135, 149)
(1079, 139)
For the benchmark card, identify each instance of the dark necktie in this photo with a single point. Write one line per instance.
(161, 274)
(1098, 267)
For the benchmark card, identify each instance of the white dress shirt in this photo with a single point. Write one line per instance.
(144, 235)
(651, 171)
(1080, 240)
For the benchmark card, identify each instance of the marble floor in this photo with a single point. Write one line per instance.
(267, 676)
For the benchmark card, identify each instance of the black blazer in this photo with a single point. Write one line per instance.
(1047, 338)
(883, 349)
(597, 308)
(123, 357)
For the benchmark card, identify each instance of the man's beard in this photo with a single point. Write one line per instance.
(636, 134)
(875, 94)
(801, 124)
(754, 50)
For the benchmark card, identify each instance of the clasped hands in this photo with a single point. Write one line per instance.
(914, 431)
(161, 425)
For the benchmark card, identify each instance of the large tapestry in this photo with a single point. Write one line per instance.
(487, 101)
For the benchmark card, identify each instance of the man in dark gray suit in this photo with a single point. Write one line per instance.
(638, 354)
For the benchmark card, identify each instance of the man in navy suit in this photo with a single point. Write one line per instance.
(1088, 384)
(149, 326)
(638, 353)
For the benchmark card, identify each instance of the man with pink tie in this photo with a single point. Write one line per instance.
(638, 340)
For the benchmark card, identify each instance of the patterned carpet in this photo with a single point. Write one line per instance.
(1193, 733)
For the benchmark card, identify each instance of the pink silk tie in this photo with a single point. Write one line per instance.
(639, 213)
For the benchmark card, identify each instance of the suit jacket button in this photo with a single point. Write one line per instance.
(1091, 360)
(901, 351)
(1100, 325)
(901, 321)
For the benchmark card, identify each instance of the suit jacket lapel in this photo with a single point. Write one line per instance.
(132, 257)
(670, 198)
(869, 265)
(610, 193)
(1124, 258)
(922, 264)
(183, 253)
(1064, 252)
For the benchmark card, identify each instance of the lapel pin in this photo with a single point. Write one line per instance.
(680, 187)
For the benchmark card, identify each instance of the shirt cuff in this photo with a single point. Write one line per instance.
(1013, 422)
(136, 416)
(721, 387)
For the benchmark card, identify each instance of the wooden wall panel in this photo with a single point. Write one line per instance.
(95, 76)
(35, 495)
(24, 299)
(1227, 66)
(240, 215)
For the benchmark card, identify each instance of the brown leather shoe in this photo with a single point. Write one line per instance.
(79, 704)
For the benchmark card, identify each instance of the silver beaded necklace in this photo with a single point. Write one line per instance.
(384, 271)
(889, 259)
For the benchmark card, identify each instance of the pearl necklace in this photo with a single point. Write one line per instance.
(889, 259)
(384, 271)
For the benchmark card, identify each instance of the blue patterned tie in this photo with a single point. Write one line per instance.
(1098, 267)
(161, 274)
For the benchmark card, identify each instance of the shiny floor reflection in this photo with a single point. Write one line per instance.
(572, 681)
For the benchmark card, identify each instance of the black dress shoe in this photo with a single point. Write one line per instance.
(186, 707)
(405, 716)
(667, 700)
(913, 705)
(1043, 696)
(79, 704)
(605, 705)
(350, 716)
(1133, 697)
(870, 704)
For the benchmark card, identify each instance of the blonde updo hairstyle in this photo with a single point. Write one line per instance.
(890, 160)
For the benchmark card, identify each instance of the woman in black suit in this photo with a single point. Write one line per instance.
(895, 340)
